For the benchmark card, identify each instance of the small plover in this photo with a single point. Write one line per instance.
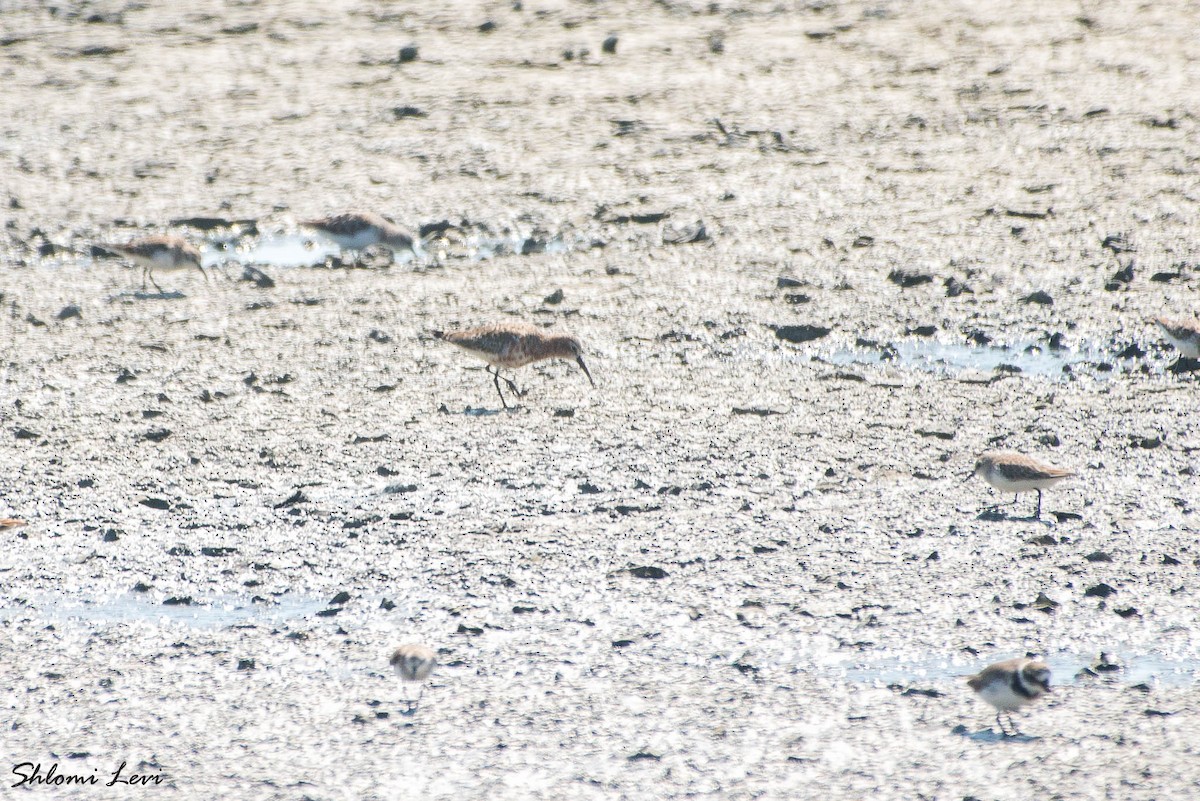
(358, 230)
(1010, 685)
(1184, 335)
(1015, 473)
(159, 253)
(513, 345)
(414, 663)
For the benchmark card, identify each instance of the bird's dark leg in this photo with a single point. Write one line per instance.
(1038, 515)
(146, 272)
(496, 380)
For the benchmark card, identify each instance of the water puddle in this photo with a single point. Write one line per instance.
(290, 250)
(1028, 358)
(217, 611)
(1067, 668)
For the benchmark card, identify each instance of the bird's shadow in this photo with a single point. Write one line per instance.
(142, 294)
(469, 412)
(994, 514)
(990, 735)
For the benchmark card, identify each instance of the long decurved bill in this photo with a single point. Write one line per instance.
(586, 371)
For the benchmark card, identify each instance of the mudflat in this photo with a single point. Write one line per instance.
(819, 256)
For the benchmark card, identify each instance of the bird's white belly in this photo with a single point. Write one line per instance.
(1005, 484)
(1001, 696)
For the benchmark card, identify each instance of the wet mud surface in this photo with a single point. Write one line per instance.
(820, 257)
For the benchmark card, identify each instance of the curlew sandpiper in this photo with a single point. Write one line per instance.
(163, 252)
(513, 345)
(1010, 685)
(1015, 473)
(1184, 335)
(358, 230)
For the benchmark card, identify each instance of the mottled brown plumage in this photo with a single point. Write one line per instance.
(1014, 472)
(1183, 333)
(360, 229)
(10, 522)
(164, 252)
(513, 345)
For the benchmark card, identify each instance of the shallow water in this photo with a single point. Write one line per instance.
(211, 612)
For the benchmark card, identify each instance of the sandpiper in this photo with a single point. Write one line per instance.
(1010, 685)
(10, 522)
(1015, 473)
(160, 253)
(1184, 335)
(358, 230)
(515, 345)
(414, 663)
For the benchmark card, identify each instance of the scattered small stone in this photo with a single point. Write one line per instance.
(155, 503)
(257, 277)
(648, 572)
(157, 434)
(1030, 215)
(246, 664)
(488, 27)
(181, 600)
(800, 333)
(408, 53)
(70, 311)
(387, 605)
(1100, 591)
(554, 297)
(954, 287)
(1040, 298)
(610, 44)
(407, 112)
(218, 551)
(341, 598)
(296, 497)
(1148, 442)
(25, 433)
(564, 412)
(696, 232)
(783, 282)
(111, 535)
(1121, 278)
(905, 278)
(399, 489)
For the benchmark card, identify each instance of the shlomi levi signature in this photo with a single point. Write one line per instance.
(31, 773)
